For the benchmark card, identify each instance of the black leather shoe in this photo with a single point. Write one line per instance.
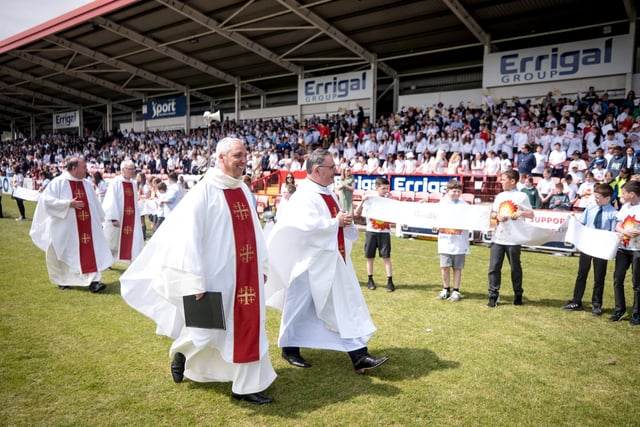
(255, 398)
(572, 306)
(63, 288)
(390, 287)
(177, 367)
(296, 360)
(371, 285)
(367, 363)
(617, 316)
(596, 311)
(517, 300)
(96, 287)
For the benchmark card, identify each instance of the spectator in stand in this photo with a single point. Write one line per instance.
(492, 164)
(532, 193)
(616, 162)
(630, 159)
(557, 158)
(558, 201)
(585, 192)
(541, 161)
(526, 160)
(617, 183)
(545, 188)
(477, 165)
(570, 188)
(577, 167)
(505, 163)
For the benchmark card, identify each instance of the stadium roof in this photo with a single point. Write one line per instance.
(124, 50)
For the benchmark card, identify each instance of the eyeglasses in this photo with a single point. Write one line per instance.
(324, 166)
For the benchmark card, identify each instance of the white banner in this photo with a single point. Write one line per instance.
(596, 243)
(525, 233)
(429, 215)
(26, 194)
(70, 119)
(587, 58)
(336, 87)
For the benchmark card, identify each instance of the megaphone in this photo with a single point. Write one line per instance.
(209, 117)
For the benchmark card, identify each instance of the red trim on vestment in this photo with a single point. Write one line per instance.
(128, 222)
(85, 236)
(334, 209)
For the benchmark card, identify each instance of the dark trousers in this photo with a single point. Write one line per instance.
(496, 258)
(599, 273)
(624, 259)
(20, 203)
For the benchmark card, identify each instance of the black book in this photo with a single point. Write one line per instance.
(207, 312)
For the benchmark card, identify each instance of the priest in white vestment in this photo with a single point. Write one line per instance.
(311, 278)
(122, 226)
(211, 242)
(67, 225)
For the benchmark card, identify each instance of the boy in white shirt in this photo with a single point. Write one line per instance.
(453, 245)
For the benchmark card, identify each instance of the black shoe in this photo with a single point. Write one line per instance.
(296, 360)
(596, 311)
(177, 367)
(367, 363)
(96, 287)
(63, 288)
(615, 317)
(493, 302)
(635, 319)
(371, 285)
(390, 286)
(572, 306)
(255, 398)
(517, 300)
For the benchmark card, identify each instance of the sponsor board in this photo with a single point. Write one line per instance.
(163, 108)
(586, 58)
(69, 119)
(335, 87)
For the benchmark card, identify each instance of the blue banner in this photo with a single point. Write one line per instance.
(163, 108)
(417, 183)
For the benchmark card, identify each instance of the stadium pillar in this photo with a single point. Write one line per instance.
(628, 83)
(32, 126)
(80, 121)
(238, 100)
(109, 117)
(374, 89)
(187, 116)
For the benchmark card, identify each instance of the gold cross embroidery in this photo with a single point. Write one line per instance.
(246, 295)
(127, 230)
(129, 211)
(83, 215)
(79, 193)
(246, 253)
(85, 238)
(128, 192)
(240, 211)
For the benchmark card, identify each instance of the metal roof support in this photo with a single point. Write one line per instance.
(55, 101)
(28, 78)
(235, 37)
(238, 100)
(108, 122)
(90, 53)
(77, 74)
(463, 15)
(170, 52)
(331, 31)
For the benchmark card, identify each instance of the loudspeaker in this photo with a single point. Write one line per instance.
(209, 117)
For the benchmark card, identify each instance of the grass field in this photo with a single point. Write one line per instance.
(75, 358)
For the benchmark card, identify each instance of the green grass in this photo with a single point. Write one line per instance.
(75, 358)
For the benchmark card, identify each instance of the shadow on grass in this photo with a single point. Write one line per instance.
(332, 380)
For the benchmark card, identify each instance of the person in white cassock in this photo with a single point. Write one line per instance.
(211, 242)
(67, 225)
(122, 226)
(315, 284)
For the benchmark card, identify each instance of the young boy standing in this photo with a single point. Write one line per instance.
(378, 237)
(453, 245)
(510, 205)
(628, 223)
(602, 216)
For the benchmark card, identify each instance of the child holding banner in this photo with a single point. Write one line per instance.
(602, 216)
(509, 206)
(628, 223)
(378, 237)
(453, 245)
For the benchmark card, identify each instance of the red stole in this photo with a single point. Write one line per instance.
(85, 237)
(127, 225)
(334, 209)
(246, 307)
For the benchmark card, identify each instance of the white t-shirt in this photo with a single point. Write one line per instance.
(453, 241)
(628, 215)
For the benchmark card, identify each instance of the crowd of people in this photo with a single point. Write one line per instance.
(212, 242)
